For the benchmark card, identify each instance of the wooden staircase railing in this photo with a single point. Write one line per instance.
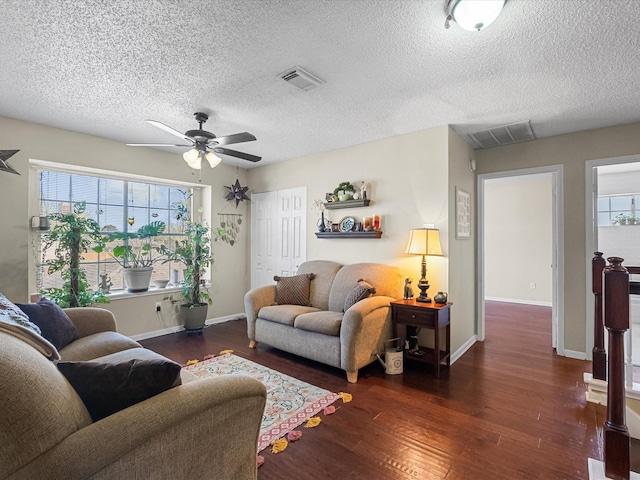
(611, 288)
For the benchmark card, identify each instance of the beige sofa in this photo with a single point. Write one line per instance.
(323, 331)
(47, 433)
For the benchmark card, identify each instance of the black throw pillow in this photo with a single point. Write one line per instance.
(54, 324)
(106, 388)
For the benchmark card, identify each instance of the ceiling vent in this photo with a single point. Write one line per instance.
(504, 135)
(300, 78)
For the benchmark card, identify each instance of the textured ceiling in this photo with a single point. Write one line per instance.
(102, 67)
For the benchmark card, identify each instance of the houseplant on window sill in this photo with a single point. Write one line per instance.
(72, 235)
(194, 252)
(136, 254)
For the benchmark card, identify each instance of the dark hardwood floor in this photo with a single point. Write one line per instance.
(509, 408)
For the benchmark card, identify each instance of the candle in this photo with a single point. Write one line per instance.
(376, 222)
(366, 223)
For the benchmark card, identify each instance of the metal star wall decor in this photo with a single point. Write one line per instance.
(4, 165)
(237, 193)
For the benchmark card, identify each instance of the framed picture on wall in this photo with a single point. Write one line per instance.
(463, 213)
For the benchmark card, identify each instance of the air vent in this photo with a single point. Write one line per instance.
(300, 78)
(504, 135)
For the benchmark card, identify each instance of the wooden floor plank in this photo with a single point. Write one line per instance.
(509, 408)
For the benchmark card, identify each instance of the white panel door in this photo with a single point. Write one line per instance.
(263, 229)
(278, 234)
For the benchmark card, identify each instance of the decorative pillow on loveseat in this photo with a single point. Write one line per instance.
(54, 324)
(106, 388)
(293, 290)
(361, 291)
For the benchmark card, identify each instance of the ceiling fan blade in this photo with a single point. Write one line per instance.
(170, 130)
(234, 153)
(156, 145)
(235, 138)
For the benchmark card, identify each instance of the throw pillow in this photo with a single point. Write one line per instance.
(54, 324)
(361, 291)
(293, 290)
(106, 388)
(11, 313)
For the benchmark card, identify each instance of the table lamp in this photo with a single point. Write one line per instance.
(424, 241)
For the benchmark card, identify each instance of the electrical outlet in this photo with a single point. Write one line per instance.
(158, 306)
(532, 285)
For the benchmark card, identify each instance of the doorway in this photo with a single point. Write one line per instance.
(524, 275)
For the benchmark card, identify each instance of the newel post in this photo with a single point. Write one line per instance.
(599, 354)
(616, 319)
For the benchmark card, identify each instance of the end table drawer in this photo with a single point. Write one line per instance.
(415, 316)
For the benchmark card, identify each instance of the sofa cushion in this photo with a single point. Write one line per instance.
(285, 314)
(324, 271)
(97, 345)
(106, 388)
(327, 322)
(293, 290)
(11, 313)
(385, 278)
(54, 324)
(360, 291)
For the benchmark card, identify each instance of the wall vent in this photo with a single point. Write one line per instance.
(300, 78)
(504, 135)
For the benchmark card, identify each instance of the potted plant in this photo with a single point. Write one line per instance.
(71, 236)
(137, 254)
(621, 219)
(194, 252)
(345, 191)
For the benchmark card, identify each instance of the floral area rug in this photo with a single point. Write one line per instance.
(290, 402)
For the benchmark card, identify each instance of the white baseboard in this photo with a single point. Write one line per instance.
(514, 300)
(180, 328)
(574, 354)
(461, 351)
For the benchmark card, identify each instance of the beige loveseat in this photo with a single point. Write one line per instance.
(204, 428)
(323, 331)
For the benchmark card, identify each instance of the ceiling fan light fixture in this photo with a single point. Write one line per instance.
(192, 157)
(213, 159)
(473, 15)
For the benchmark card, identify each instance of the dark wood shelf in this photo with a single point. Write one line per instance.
(427, 357)
(347, 204)
(371, 234)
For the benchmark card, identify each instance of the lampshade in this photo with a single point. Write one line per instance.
(192, 157)
(424, 241)
(213, 159)
(474, 15)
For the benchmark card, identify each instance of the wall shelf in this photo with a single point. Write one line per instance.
(371, 234)
(347, 204)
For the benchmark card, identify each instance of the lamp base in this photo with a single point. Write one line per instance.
(423, 299)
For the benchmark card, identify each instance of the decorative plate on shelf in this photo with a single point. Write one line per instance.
(346, 224)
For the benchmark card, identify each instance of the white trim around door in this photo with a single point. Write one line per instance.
(558, 249)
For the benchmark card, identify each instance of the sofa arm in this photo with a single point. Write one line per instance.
(203, 429)
(254, 300)
(90, 320)
(365, 328)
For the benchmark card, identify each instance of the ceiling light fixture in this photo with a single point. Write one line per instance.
(473, 15)
(195, 156)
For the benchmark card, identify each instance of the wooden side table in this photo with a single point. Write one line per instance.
(434, 316)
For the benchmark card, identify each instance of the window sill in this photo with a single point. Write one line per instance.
(123, 294)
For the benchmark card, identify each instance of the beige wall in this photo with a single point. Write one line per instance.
(571, 151)
(519, 246)
(44, 143)
(410, 179)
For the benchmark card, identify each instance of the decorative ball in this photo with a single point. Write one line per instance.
(356, 196)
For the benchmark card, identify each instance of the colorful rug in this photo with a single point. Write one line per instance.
(290, 402)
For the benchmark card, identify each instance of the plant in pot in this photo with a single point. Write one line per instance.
(194, 252)
(344, 191)
(72, 235)
(137, 254)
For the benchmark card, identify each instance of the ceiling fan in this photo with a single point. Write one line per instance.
(203, 145)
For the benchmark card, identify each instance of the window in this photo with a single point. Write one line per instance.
(116, 205)
(610, 207)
